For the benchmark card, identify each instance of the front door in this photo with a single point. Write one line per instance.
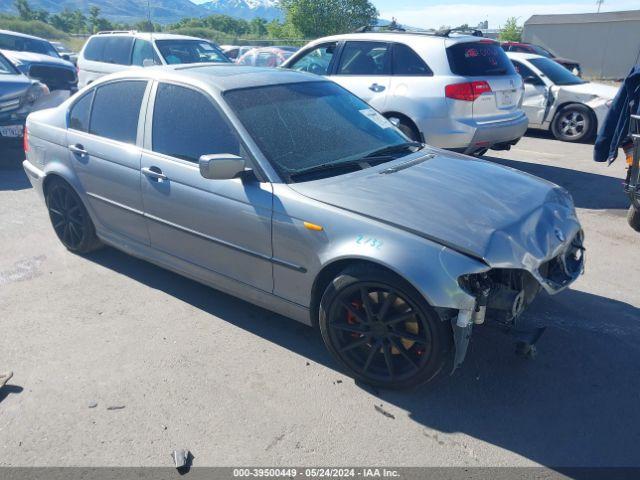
(102, 142)
(534, 102)
(364, 68)
(223, 226)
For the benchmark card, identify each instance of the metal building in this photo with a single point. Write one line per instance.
(606, 44)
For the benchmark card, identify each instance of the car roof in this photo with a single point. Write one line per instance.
(148, 35)
(220, 77)
(23, 35)
(407, 37)
(523, 56)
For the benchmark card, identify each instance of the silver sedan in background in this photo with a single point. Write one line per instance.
(286, 190)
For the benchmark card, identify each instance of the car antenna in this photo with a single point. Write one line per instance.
(149, 24)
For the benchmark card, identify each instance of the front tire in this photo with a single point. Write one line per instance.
(406, 127)
(69, 218)
(633, 217)
(574, 123)
(381, 330)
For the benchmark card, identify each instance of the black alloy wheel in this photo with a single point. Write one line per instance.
(70, 218)
(381, 331)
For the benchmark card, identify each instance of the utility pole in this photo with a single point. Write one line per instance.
(599, 3)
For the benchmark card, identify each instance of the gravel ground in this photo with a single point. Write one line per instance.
(189, 367)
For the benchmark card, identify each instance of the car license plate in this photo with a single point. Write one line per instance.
(11, 131)
(506, 98)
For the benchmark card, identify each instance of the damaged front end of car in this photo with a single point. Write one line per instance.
(502, 294)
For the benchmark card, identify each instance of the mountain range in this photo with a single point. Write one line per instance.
(162, 11)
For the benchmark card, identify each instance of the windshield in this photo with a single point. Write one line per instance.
(5, 67)
(23, 44)
(556, 72)
(303, 126)
(190, 51)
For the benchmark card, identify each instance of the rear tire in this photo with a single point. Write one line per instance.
(574, 123)
(633, 217)
(69, 218)
(381, 330)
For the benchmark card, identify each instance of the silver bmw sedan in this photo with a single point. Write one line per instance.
(286, 190)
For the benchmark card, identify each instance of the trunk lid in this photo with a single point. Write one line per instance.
(484, 63)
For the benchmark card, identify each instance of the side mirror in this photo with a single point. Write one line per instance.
(66, 57)
(223, 166)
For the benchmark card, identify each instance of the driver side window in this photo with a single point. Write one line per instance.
(316, 60)
(525, 72)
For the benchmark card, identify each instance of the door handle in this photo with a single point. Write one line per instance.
(376, 88)
(78, 149)
(154, 172)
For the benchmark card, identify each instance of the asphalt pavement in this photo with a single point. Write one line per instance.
(189, 367)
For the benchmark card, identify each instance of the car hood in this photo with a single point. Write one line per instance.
(591, 89)
(493, 213)
(12, 86)
(30, 57)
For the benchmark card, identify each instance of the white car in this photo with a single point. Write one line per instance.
(555, 99)
(234, 52)
(114, 51)
(449, 89)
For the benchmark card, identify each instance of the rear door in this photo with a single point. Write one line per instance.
(102, 136)
(485, 64)
(364, 68)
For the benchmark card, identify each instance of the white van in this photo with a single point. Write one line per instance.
(110, 52)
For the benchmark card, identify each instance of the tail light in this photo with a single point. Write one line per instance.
(628, 153)
(467, 91)
(25, 140)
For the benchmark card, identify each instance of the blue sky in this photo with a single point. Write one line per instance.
(434, 13)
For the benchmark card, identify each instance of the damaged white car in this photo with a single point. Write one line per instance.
(555, 99)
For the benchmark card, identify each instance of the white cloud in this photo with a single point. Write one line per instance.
(453, 14)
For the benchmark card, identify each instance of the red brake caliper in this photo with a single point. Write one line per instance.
(351, 318)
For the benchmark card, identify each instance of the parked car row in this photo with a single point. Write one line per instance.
(450, 90)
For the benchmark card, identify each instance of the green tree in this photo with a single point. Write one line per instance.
(317, 18)
(511, 32)
(94, 16)
(41, 15)
(258, 27)
(24, 10)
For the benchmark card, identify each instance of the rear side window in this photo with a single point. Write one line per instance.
(187, 125)
(473, 59)
(80, 112)
(94, 50)
(407, 62)
(116, 108)
(364, 58)
(109, 49)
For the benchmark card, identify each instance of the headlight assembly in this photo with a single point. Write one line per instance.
(36, 91)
